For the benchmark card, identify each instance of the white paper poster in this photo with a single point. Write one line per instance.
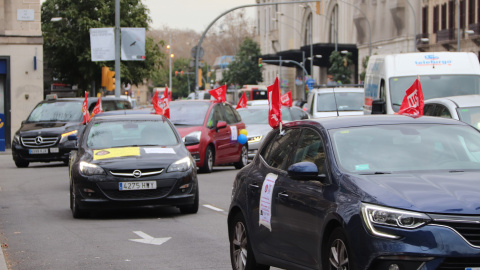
(266, 200)
(233, 129)
(102, 44)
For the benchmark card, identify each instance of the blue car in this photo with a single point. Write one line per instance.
(360, 192)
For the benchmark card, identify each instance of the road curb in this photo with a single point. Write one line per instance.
(3, 263)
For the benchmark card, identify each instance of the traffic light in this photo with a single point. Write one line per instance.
(110, 80)
(176, 72)
(259, 62)
(105, 71)
(200, 78)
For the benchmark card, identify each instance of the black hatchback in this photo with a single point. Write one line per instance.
(125, 161)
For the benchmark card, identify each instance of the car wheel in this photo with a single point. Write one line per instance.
(243, 158)
(241, 254)
(190, 209)
(20, 163)
(208, 161)
(76, 212)
(337, 253)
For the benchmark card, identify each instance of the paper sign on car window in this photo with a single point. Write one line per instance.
(233, 129)
(116, 152)
(159, 150)
(266, 200)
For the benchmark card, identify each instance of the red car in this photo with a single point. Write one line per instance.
(210, 131)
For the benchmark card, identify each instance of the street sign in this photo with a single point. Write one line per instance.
(310, 83)
(102, 44)
(133, 44)
(193, 52)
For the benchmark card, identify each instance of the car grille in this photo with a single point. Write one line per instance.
(467, 226)
(459, 263)
(136, 173)
(137, 194)
(39, 141)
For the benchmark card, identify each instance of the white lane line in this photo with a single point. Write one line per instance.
(213, 207)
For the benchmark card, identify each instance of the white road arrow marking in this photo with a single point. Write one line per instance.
(147, 239)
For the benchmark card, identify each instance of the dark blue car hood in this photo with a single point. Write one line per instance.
(448, 193)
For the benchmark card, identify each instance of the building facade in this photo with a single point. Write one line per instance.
(363, 27)
(21, 63)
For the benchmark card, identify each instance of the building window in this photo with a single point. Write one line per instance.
(425, 20)
(334, 25)
(451, 15)
(435, 18)
(463, 14)
(307, 38)
(444, 16)
(471, 11)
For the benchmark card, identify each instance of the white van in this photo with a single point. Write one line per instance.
(202, 94)
(335, 101)
(441, 74)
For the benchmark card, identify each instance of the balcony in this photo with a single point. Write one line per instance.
(446, 38)
(475, 37)
(423, 41)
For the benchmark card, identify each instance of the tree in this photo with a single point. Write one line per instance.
(67, 42)
(340, 66)
(364, 66)
(244, 68)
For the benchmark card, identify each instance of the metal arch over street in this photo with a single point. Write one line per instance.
(226, 12)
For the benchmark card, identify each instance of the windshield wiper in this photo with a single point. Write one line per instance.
(453, 171)
(372, 173)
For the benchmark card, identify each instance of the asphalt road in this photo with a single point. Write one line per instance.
(37, 230)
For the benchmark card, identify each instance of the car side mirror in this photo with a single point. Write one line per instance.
(378, 106)
(304, 171)
(190, 140)
(221, 124)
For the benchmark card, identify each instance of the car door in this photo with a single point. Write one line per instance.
(269, 168)
(219, 136)
(235, 125)
(300, 205)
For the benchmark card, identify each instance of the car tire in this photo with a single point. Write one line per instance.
(208, 161)
(20, 163)
(191, 209)
(243, 158)
(336, 254)
(241, 254)
(76, 212)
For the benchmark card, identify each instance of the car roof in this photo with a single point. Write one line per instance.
(374, 120)
(339, 90)
(127, 117)
(460, 101)
(127, 111)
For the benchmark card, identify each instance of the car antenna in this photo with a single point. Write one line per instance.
(335, 98)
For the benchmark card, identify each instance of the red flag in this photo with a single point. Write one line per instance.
(242, 103)
(286, 99)
(165, 103)
(86, 114)
(412, 103)
(220, 93)
(98, 107)
(161, 106)
(274, 111)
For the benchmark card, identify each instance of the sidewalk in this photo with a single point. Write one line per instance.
(3, 263)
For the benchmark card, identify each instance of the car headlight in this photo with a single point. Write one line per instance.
(391, 217)
(180, 165)
(90, 169)
(16, 138)
(195, 134)
(65, 135)
(254, 139)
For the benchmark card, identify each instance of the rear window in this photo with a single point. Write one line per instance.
(57, 111)
(344, 102)
(188, 113)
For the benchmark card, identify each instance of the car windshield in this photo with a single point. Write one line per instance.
(397, 148)
(434, 86)
(127, 133)
(188, 113)
(470, 115)
(57, 111)
(260, 115)
(346, 101)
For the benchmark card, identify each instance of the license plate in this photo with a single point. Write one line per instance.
(54, 150)
(137, 185)
(38, 151)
